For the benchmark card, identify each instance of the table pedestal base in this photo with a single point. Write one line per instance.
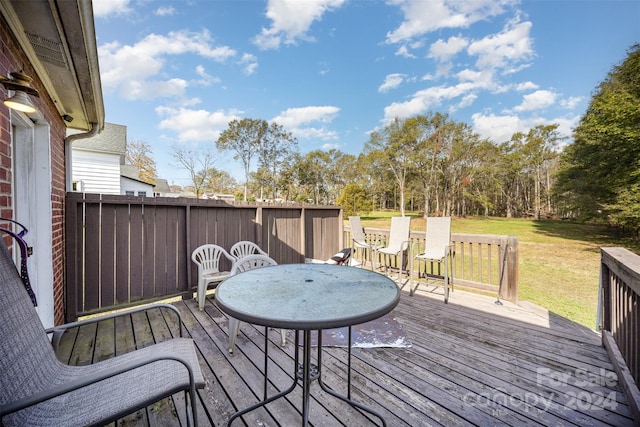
(306, 373)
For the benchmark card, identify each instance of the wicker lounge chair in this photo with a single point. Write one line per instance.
(37, 389)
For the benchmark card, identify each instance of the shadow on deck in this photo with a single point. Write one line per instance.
(472, 362)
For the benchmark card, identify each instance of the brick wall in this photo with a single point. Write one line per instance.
(12, 58)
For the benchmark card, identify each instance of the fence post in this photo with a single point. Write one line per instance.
(72, 280)
(303, 230)
(187, 238)
(259, 228)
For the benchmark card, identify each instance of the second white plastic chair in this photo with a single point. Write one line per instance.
(244, 248)
(246, 263)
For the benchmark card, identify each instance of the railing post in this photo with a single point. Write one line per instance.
(605, 295)
(512, 269)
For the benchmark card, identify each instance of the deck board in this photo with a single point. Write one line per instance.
(472, 362)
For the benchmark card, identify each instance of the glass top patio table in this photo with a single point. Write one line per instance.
(307, 296)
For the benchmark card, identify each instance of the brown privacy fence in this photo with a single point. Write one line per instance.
(619, 317)
(484, 262)
(122, 250)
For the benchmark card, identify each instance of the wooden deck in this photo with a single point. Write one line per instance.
(472, 362)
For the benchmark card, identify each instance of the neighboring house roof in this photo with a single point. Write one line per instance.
(132, 172)
(112, 139)
(59, 40)
(162, 186)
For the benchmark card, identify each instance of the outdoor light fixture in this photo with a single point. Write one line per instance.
(21, 85)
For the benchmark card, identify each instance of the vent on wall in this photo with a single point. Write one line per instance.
(48, 50)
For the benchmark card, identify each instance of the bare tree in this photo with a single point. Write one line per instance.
(197, 164)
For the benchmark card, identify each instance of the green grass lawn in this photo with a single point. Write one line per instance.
(559, 260)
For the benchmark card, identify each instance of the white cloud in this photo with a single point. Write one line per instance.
(104, 8)
(151, 89)
(566, 126)
(165, 11)
(427, 99)
(392, 81)
(250, 63)
(444, 50)
(314, 133)
(466, 101)
(404, 52)
(501, 128)
(571, 102)
(506, 50)
(295, 117)
(422, 17)
(196, 125)
(481, 79)
(205, 78)
(537, 100)
(330, 146)
(291, 20)
(296, 121)
(526, 86)
(124, 67)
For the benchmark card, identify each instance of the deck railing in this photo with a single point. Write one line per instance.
(123, 250)
(619, 317)
(484, 262)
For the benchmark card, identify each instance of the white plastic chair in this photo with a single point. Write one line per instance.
(437, 250)
(207, 258)
(398, 240)
(244, 248)
(359, 240)
(246, 263)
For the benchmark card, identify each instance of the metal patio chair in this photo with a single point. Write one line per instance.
(246, 263)
(437, 250)
(37, 389)
(207, 257)
(359, 241)
(398, 243)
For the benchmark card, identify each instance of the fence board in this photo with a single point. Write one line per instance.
(122, 254)
(121, 250)
(148, 249)
(92, 253)
(135, 250)
(107, 258)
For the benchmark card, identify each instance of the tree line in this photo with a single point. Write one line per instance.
(439, 166)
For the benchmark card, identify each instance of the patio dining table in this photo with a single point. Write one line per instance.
(307, 298)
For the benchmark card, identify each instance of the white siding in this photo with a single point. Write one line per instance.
(98, 172)
(127, 184)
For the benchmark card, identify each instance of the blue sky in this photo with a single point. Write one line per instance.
(331, 71)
